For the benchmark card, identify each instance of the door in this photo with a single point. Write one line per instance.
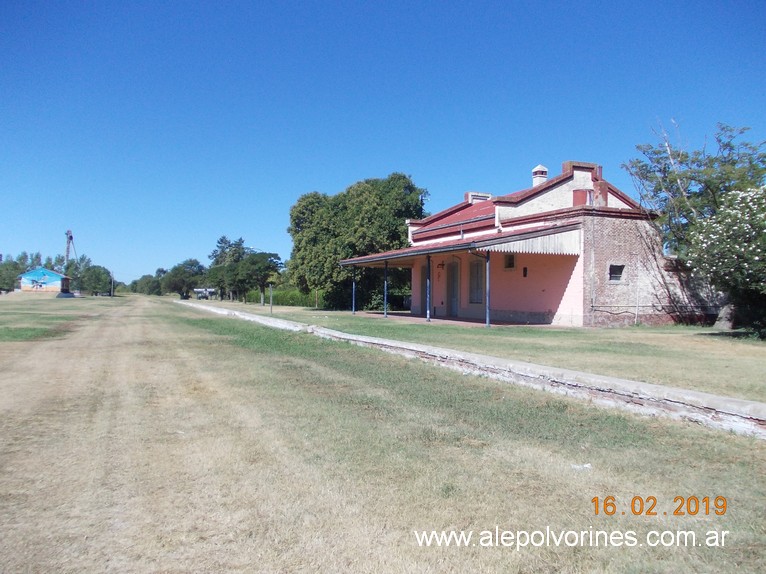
(453, 289)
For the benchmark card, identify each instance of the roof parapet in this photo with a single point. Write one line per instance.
(569, 166)
(476, 196)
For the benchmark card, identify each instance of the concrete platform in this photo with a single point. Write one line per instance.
(725, 413)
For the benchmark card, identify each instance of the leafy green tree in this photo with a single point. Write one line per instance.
(258, 269)
(236, 283)
(58, 263)
(729, 248)
(223, 274)
(709, 205)
(36, 260)
(227, 251)
(367, 217)
(96, 279)
(147, 285)
(183, 278)
(74, 269)
(310, 227)
(216, 277)
(686, 187)
(22, 260)
(10, 269)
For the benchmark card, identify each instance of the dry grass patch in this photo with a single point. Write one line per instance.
(25, 317)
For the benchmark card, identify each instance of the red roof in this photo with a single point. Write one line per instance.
(464, 216)
(471, 217)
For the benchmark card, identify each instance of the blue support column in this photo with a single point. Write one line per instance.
(486, 288)
(428, 288)
(353, 290)
(385, 289)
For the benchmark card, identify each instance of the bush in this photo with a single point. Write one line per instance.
(291, 297)
(729, 248)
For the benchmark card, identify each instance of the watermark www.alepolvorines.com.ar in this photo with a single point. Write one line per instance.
(551, 537)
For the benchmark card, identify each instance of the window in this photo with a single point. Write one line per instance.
(615, 272)
(510, 261)
(476, 290)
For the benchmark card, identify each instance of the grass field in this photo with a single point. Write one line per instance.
(261, 450)
(686, 357)
(32, 316)
(431, 450)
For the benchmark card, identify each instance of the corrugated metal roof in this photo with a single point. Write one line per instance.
(564, 243)
(518, 241)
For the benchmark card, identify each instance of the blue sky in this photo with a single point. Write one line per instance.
(152, 128)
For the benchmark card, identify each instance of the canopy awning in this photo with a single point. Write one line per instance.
(563, 243)
(548, 240)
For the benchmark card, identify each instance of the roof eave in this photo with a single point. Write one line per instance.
(477, 244)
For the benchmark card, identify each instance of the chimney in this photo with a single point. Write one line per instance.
(539, 175)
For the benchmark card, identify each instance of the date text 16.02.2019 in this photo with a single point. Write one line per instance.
(648, 506)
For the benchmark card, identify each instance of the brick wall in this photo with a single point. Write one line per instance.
(625, 280)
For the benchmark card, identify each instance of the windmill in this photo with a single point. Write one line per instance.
(65, 280)
(69, 243)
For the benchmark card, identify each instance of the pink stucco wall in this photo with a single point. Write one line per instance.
(551, 292)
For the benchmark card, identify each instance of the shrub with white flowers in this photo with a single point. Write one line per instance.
(729, 248)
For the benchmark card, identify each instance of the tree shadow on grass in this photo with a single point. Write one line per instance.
(735, 334)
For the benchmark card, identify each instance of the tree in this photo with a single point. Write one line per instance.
(22, 260)
(58, 263)
(309, 227)
(701, 199)
(36, 260)
(227, 251)
(218, 255)
(10, 269)
(223, 267)
(97, 279)
(216, 277)
(74, 269)
(236, 284)
(729, 248)
(257, 270)
(367, 217)
(146, 284)
(686, 187)
(183, 278)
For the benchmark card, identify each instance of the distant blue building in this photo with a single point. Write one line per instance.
(42, 280)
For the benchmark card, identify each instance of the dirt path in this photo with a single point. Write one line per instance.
(124, 449)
